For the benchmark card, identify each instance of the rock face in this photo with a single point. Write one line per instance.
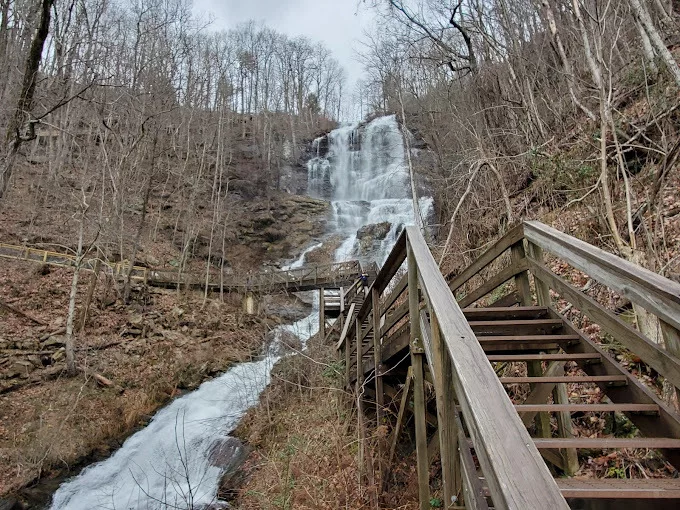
(284, 226)
(289, 308)
(370, 236)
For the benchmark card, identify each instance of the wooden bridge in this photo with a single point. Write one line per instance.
(420, 348)
(326, 276)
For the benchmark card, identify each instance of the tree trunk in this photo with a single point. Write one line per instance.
(13, 137)
(642, 15)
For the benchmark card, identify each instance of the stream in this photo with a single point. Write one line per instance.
(171, 463)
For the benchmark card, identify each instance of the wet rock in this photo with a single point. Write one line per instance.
(283, 341)
(376, 231)
(10, 503)
(288, 308)
(369, 236)
(229, 455)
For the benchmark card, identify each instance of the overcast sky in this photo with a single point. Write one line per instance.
(337, 23)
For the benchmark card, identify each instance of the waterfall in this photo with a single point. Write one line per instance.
(365, 176)
(170, 463)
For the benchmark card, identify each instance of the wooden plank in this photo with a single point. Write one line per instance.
(444, 394)
(322, 314)
(606, 443)
(507, 300)
(501, 441)
(398, 290)
(400, 416)
(419, 409)
(377, 359)
(586, 408)
(580, 379)
(657, 358)
(652, 291)
(498, 280)
(522, 279)
(515, 327)
(527, 338)
(505, 313)
(587, 356)
(475, 498)
(511, 237)
(346, 327)
(621, 489)
(397, 314)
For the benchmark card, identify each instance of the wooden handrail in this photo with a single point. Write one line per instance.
(513, 236)
(501, 441)
(650, 290)
(436, 331)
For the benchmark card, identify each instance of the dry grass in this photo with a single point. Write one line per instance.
(306, 442)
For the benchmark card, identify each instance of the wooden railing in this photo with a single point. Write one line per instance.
(302, 278)
(528, 245)
(419, 311)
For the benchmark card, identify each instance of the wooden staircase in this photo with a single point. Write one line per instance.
(510, 382)
(562, 361)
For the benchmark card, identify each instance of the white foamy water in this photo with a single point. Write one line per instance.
(365, 176)
(168, 463)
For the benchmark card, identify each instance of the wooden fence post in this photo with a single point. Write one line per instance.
(322, 314)
(534, 368)
(448, 433)
(417, 352)
(560, 395)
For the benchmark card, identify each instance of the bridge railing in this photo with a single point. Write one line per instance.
(657, 343)
(419, 311)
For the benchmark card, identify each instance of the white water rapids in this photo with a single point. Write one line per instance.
(168, 463)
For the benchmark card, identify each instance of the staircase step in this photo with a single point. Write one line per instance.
(515, 327)
(541, 408)
(578, 379)
(545, 357)
(606, 443)
(505, 313)
(613, 488)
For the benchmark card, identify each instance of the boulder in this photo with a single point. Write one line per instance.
(54, 341)
(376, 231)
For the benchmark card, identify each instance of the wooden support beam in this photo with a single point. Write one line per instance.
(403, 407)
(322, 314)
(417, 354)
(445, 397)
(377, 356)
(540, 392)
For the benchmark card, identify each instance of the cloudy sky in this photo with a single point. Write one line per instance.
(338, 23)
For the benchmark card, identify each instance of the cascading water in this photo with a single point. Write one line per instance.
(170, 463)
(365, 177)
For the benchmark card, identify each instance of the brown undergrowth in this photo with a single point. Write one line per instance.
(305, 441)
(152, 350)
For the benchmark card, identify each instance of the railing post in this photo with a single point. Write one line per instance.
(534, 368)
(359, 389)
(322, 314)
(417, 352)
(377, 356)
(671, 340)
(448, 433)
(560, 395)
